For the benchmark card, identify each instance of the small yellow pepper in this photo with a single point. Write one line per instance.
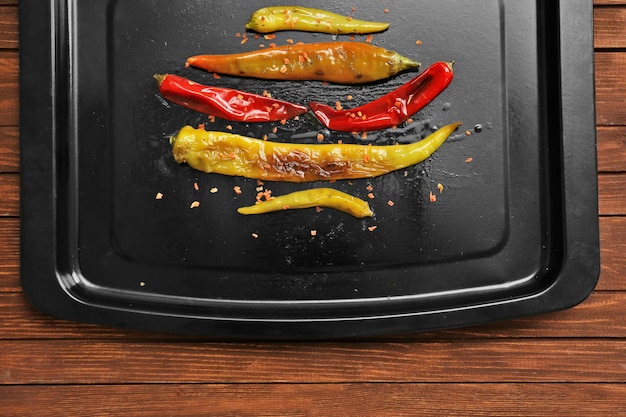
(306, 19)
(316, 197)
(231, 154)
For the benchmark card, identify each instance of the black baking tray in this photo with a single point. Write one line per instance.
(513, 231)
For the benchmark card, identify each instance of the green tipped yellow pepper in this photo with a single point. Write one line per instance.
(337, 62)
(231, 154)
(306, 19)
(317, 197)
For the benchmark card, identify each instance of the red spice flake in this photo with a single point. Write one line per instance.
(264, 137)
(238, 35)
(255, 235)
(299, 43)
(409, 120)
(301, 59)
(440, 187)
(158, 196)
(229, 127)
(320, 137)
(467, 133)
(275, 129)
(286, 207)
(286, 61)
(270, 36)
(338, 105)
(275, 105)
(385, 10)
(201, 126)
(283, 121)
(272, 45)
(370, 187)
(259, 182)
(369, 39)
(349, 17)
(239, 97)
(290, 41)
(398, 103)
(432, 197)
(194, 204)
(237, 189)
(352, 37)
(319, 209)
(196, 186)
(353, 9)
(364, 135)
(390, 203)
(470, 159)
(366, 158)
(283, 69)
(211, 118)
(418, 42)
(256, 36)
(216, 76)
(370, 196)
(244, 40)
(372, 228)
(348, 97)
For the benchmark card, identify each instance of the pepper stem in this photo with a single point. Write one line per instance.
(159, 78)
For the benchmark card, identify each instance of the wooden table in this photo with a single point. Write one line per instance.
(567, 363)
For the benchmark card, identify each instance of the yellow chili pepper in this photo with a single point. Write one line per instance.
(338, 62)
(274, 19)
(317, 197)
(231, 154)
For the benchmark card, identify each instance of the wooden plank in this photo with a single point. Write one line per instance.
(8, 27)
(9, 254)
(611, 148)
(110, 362)
(609, 28)
(599, 316)
(610, 84)
(9, 149)
(611, 191)
(294, 400)
(10, 192)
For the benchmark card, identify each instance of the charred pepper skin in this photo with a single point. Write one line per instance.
(235, 155)
(336, 62)
(316, 197)
(307, 19)
(225, 103)
(391, 109)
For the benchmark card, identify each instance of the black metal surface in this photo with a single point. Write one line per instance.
(514, 232)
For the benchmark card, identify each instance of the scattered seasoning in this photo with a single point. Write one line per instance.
(275, 129)
(418, 42)
(440, 187)
(229, 127)
(283, 69)
(216, 76)
(254, 235)
(237, 189)
(338, 105)
(313, 232)
(370, 187)
(369, 39)
(269, 37)
(213, 190)
(318, 209)
(349, 97)
(158, 196)
(390, 203)
(432, 197)
(468, 132)
(290, 41)
(196, 186)
(372, 228)
(385, 10)
(320, 137)
(142, 284)
(353, 9)
(370, 196)
(470, 159)
(195, 204)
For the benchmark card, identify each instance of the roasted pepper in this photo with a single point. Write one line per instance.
(337, 62)
(392, 108)
(274, 19)
(316, 197)
(225, 103)
(230, 154)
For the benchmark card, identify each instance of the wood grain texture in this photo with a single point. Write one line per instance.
(9, 149)
(311, 400)
(610, 87)
(609, 30)
(147, 362)
(8, 27)
(611, 148)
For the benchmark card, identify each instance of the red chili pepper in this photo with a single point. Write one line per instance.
(225, 103)
(391, 109)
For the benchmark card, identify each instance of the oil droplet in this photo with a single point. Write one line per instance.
(446, 106)
(478, 128)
